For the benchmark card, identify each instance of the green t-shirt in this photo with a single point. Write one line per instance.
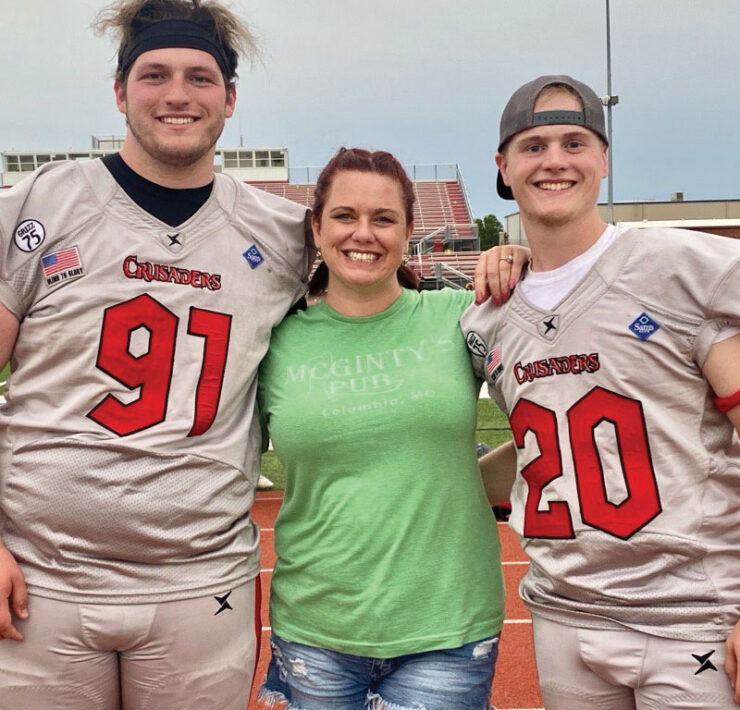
(386, 543)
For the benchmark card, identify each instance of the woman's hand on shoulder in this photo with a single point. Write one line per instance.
(498, 271)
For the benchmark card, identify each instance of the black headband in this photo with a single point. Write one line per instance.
(174, 33)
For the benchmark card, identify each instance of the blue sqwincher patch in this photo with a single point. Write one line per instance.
(253, 257)
(643, 326)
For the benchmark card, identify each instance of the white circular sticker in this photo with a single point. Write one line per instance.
(476, 344)
(29, 235)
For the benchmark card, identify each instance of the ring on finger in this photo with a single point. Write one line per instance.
(508, 258)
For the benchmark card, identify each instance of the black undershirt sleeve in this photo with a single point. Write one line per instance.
(169, 205)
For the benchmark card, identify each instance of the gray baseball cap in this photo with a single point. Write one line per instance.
(519, 114)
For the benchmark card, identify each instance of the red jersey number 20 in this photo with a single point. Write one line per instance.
(623, 519)
(151, 371)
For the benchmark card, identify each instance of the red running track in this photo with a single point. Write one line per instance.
(515, 685)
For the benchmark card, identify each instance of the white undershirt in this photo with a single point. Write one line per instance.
(545, 289)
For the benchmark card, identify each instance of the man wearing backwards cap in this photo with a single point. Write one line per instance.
(137, 294)
(617, 359)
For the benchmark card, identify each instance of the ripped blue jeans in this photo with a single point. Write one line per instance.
(309, 678)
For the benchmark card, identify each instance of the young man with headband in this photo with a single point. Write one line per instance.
(617, 359)
(137, 295)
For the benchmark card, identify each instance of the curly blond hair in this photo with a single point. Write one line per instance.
(124, 18)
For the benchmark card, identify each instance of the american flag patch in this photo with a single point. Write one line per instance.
(493, 358)
(62, 265)
(494, 366)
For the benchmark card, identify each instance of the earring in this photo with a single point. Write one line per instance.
(319, 255)
(405, 259)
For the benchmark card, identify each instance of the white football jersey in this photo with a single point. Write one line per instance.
(627, 499)
(129, 445)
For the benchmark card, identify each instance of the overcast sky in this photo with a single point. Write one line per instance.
(425, 79)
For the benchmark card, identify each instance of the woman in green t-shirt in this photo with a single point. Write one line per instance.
(387, 590)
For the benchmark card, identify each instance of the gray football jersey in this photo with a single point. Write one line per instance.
(129, 444)
(627, 499)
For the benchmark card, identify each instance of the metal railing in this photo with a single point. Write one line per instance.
(440, 269)
(423, 245)
(447, 233)
(416, 171)
(464, 190)
(432, 171)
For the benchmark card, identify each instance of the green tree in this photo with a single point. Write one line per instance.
(488, 229)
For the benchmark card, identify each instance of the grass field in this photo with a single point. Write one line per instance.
(492, 429)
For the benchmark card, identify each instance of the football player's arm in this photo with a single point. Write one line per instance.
(498, 470)
(722, 370)
(495, 275)
(8, 334)
(12, 585)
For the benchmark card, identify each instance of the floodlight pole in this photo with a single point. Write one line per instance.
(609, 101)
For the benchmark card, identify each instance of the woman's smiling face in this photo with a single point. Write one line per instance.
(363, 233)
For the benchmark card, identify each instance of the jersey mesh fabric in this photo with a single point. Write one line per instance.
(130, 499)
(386, 543)
(652, 501)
